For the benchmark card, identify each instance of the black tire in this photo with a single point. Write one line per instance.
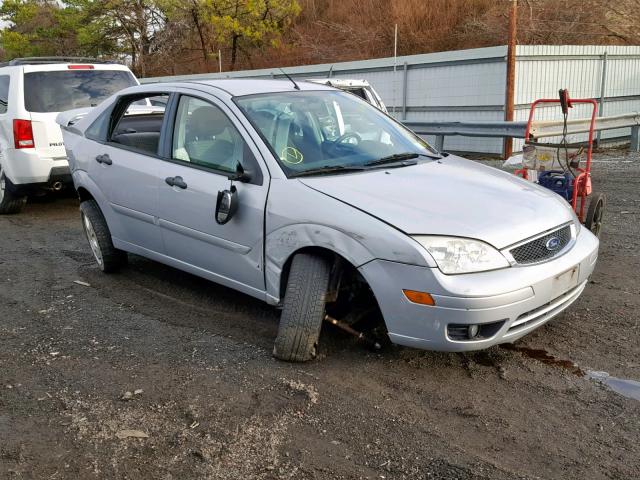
(595, 213)
(304, 308)
(108, 257)
(9, 202)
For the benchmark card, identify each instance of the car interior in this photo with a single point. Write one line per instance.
(138, 127)
(205, 136)
(141, 132)
(313, 134)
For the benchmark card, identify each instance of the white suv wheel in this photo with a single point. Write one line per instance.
(9, 202)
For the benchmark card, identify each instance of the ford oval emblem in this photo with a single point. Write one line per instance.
(552, 244)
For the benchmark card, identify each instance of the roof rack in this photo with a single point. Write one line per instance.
(45, 60)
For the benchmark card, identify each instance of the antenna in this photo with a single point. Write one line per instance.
(295, 85)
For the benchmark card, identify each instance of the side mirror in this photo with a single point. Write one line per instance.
(226, 205)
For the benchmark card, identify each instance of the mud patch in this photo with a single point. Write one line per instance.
(546, 358)
(625, 387)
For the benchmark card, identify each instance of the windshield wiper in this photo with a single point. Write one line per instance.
(398, 157)
(327, 169)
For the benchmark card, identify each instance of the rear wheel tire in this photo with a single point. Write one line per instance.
(595, 213)
(9, 202)
(95, 227)
(304, 309)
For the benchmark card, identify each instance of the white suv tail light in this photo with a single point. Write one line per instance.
(23, 134)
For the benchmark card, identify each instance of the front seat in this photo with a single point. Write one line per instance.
(204, 140)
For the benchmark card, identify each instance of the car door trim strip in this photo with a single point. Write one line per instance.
(143, 217)
(205, 237)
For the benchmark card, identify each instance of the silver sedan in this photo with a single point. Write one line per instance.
(311, 199)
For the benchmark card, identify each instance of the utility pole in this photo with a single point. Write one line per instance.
(395, 65)
(511, 75)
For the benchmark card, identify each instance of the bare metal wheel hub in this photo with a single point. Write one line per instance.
(93, 239)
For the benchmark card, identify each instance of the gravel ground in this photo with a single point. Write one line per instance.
(155, 374)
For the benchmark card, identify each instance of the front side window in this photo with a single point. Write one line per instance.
(206, 137)
(4, 93)
(60, 90)
(311, 130)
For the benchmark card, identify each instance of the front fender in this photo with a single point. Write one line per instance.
(282, 243)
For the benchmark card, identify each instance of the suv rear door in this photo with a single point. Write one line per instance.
(53, 88)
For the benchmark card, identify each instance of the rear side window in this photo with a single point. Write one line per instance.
(60, 90)
(4, 93)
(136, 125)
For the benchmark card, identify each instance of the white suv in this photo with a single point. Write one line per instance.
(32, 92)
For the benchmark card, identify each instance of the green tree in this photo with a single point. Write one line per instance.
(133, 28)
(49, 28)
(244, 25)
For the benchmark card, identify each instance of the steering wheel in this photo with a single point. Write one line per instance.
(338, 141)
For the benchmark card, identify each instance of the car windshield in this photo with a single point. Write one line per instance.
(60, 90)
(329, 131)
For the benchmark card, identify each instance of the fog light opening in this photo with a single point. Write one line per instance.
(472, 331)
(464, 332)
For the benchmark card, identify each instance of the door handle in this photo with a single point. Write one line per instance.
(104, 159)
(176, 182)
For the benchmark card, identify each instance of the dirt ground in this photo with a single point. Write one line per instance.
(152, 373)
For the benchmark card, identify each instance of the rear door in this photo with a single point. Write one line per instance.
(206, 145)
(126, 167)
(50, 89)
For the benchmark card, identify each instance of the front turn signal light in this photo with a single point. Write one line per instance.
(421, 298)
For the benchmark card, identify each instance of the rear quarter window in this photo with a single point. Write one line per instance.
(4, 93)
(60, 90)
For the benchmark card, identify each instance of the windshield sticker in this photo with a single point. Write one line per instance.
(291, 155)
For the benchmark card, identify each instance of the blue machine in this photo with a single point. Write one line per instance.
(558, 181)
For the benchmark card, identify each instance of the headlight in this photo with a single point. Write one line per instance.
(462, 255)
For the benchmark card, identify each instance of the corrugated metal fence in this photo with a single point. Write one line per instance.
(469, 85)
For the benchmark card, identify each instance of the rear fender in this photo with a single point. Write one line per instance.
(82, 181)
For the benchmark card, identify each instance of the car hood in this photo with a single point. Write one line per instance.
(452, 196)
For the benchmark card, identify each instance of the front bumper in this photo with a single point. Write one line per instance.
(513, 301)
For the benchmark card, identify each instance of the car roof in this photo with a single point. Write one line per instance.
(50, 60)
(249, 86)
(50, 67)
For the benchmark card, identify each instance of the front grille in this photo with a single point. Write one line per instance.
(537, 250)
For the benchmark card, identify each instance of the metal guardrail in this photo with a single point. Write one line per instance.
(539, 129)
(553, 128)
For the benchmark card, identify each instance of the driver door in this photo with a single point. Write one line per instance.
(206, 148)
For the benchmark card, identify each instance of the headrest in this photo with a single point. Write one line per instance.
(207, 121)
